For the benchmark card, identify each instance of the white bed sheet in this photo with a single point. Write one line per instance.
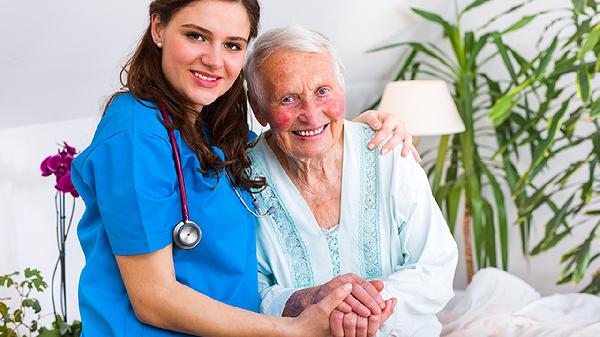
(499, 304)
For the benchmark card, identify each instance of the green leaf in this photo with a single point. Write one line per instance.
(432, 17)
(547, 58)
(586, 190)
(33, 304)
(502, 109)
(508, 11)
(583, 84)
(453, 204)
(590, 42)
(579, 5)
(407, 63)
(3, 309)
(500, 211)
(596, 144)
(519, 24)
(549, 242)
(595, 110)
(49, 333)
(503, 50)
(490, 234)
(584, 256)
(18, 315)
(64, 328)
(473, 5)
(559, 217)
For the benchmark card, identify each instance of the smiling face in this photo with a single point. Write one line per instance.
(303, 103)
(202, 56)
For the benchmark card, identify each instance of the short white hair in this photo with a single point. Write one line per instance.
(294, 38)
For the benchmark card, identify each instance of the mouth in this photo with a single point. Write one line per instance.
(312, 132)
(205, 79)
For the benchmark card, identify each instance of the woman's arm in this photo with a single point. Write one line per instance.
(158, 299)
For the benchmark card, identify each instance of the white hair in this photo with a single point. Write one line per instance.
(294, 38)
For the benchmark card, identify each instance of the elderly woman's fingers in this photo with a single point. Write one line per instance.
(377, 284)
(356, 305)
(344, 307)
(336, 320)
(390, 305)
(374, 293)
(369, 300)
(362, 323)
(374, 324)
(350, 324)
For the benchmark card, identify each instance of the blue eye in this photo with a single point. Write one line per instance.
(323, 91)
(287, 99)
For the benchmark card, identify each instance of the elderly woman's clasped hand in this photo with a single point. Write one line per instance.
(361, 313)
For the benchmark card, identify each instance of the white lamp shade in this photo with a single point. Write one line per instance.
(425, 107)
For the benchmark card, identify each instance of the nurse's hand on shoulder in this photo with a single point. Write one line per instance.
(386, 123)
(314, 321)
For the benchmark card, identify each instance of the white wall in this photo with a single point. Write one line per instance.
(60, 59)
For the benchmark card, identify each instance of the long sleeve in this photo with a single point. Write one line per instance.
(272, 296)
(426, 262)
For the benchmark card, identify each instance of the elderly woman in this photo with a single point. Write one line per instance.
(342, 213)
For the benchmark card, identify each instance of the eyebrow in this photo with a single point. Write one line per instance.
(209, 33)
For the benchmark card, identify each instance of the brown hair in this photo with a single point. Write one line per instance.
(225, 120)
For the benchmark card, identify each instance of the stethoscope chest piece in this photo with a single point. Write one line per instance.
(187, 234)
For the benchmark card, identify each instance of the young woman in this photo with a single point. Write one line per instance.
(184, 105)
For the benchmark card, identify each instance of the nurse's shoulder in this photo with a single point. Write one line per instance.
(127, 113)
(127, 123)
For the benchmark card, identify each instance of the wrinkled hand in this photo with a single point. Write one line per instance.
(364, 299)
(353, 325)
(314, 321)
(384, 124)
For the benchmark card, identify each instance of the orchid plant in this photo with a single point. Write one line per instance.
(59, 166)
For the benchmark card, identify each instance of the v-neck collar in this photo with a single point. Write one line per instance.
(276, 167)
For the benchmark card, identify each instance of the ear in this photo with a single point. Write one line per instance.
(258, 113)
(156, 28)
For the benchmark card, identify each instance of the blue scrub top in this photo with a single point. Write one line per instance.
(128, 182)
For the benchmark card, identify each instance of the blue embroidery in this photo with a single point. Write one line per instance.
(285, 228)
(334, 251)
(369, 237)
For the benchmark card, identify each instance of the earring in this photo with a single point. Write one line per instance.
(159, 45)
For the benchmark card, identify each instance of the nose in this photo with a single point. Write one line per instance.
(310, 111)
(213, 56)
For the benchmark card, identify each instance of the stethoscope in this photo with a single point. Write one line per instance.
(186, 233)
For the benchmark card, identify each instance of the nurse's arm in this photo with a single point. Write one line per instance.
(158, 299)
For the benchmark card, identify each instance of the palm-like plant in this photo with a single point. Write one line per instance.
(523, 114)
(554, 113)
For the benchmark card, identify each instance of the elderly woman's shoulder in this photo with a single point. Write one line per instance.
(361, 134)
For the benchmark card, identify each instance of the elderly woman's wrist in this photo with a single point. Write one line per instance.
(300, 300)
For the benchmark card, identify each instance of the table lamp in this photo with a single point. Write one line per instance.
(425, 107)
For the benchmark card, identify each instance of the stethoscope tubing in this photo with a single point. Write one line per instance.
(177, 159)
(186, 223)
